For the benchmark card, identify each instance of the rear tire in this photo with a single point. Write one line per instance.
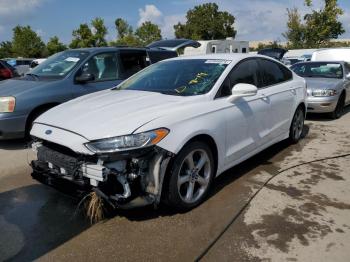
(339, 109)
(297, 126)
(191, 176)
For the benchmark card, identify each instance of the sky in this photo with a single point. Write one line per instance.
(255, 19)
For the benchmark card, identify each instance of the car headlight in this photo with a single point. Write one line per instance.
(7, 104)
(128, 142)
(324, 92)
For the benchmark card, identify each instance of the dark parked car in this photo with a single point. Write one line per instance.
(7, 71)
(276, 53)
(67, 75)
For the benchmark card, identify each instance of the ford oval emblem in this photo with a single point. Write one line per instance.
(48, 132)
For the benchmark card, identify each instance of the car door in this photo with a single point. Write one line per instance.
(279, 89)
(104, 67)
(246, 118)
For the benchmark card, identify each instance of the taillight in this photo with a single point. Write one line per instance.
(6, 73)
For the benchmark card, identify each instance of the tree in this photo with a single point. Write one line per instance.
(26, 43)
(84, 36)
(127, 40)
(296, 30)
(123, 28)
(148, 33)
(6, 49)
(206, 22)
(54, 46)
(100, 32)
(317, 28)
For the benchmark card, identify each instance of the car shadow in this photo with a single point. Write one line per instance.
(36, 219)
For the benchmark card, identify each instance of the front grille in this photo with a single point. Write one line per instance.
(59, 160)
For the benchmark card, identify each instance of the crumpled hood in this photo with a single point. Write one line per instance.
(323, 83)
(15, 87)
(111, 113)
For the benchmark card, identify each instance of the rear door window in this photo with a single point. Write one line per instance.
(245, 72)
(273, 73)
(104, 67)
(132, 61)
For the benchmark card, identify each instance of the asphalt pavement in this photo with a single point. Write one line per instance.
(302, 214)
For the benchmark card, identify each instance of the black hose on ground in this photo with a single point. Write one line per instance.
(233, 220)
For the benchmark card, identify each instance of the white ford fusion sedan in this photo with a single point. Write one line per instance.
(167, 131)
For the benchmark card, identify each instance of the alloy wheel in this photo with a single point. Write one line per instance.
(194, 176)
(298, 125)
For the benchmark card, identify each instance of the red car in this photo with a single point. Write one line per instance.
(7, 71)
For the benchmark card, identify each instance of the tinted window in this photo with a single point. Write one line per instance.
(132, 62)
(103, 66)
(246, 72)
(273, 73)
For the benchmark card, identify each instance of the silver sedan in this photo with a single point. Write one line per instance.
(328, 86)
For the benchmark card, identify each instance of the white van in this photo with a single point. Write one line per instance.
(332, 54)
(218, 46)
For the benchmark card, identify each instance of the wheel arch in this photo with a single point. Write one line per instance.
(39, 109)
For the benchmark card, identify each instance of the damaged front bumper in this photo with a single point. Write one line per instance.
(125, 179)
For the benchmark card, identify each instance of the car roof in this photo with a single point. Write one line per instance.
(311, 62)
(234, 57)
(109, 48)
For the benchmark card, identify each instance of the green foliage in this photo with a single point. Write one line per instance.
(6, 49)
(127, 40)
(317, 28)
(85, 36)
(26, 43)
(123, 28)
(145, 34)
(148, 33)
(206, 22)
(100, 32)
(261, 46)
(54, 46)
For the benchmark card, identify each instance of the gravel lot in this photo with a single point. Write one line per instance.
(303, 214)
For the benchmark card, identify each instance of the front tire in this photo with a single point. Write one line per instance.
(191, 176)
(297, 126)
(338, 112)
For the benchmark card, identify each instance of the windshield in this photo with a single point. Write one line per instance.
(186, 77)
(59, 65)
(319, 69)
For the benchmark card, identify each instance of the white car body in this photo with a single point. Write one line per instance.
(239, 129)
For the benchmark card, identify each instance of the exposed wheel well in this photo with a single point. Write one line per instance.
(36, 112)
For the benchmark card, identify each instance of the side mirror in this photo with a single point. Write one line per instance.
(84, 78)
(242, 90)
(347, 76)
